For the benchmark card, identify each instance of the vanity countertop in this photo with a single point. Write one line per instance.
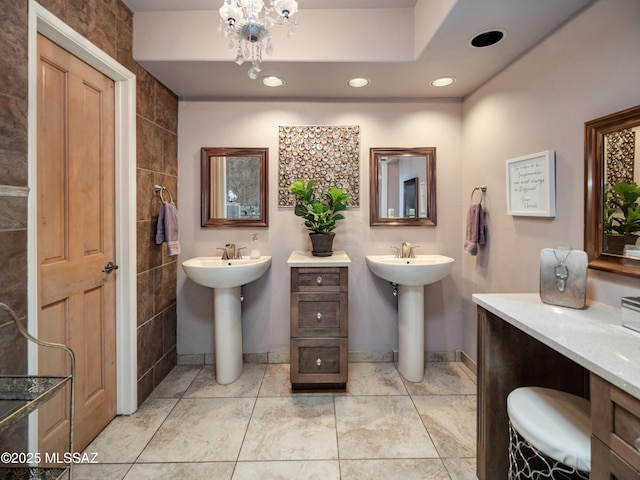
(592, 337)
(306, 259)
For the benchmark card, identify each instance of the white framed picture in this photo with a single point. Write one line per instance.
(531, 185)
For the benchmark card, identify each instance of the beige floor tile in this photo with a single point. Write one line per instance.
(277, 381)
(451, 422)
(294, 470)
(406, 469)
(442, 378)
(381, 427)
(177, 382)
(205, 385)
(201, 430)
(291, 428)
(461, 468)
(374, 379)
(181, 471)
(126, 436)
(101, 471)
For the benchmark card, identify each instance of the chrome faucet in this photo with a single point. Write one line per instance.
(406, 250)
(230, 252)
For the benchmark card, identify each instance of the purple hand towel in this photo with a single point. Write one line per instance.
(168, 228)
(475, 230)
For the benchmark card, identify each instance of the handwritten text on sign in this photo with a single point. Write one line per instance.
(528, 184)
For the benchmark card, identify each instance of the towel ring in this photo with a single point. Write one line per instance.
(481, 188)
(159, 189)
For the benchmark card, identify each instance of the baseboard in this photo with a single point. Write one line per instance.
(468, 362)
(354, 357)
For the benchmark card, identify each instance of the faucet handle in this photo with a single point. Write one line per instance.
(397, 250)
(238, 254)
(411, 254)
(224, 253)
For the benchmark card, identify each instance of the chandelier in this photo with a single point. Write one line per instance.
(247, 24)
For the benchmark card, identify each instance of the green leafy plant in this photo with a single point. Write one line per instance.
(320, 216)
(622, 210)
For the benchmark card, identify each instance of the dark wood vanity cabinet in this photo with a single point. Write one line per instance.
(615, 440)
(319, 327)
(509, 358)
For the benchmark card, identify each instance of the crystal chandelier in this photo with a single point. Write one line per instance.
(247, 24)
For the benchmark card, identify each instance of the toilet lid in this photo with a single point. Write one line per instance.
(554, 422)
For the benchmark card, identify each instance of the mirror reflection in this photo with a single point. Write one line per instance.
(234, 187)
(612, 209)
(403, 186)
(621, 193)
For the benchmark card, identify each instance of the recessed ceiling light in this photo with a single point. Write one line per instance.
(487, 38)
(358, 82)
(443, 82)
(272, 81)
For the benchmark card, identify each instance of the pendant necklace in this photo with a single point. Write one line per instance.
(561, 271)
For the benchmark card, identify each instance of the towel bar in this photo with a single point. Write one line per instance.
(482, 188)
(159, 189)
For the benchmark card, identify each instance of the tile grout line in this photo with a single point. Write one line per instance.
(162, 423)
(246, 430)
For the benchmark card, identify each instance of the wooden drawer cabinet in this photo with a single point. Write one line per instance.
(319, 314)
(615, 444)
(319, 327)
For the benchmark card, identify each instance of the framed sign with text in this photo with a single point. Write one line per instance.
(531, 185)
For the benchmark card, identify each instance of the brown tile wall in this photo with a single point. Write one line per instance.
(13, 210)
(108, 24)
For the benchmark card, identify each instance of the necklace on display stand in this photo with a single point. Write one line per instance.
(560, 270)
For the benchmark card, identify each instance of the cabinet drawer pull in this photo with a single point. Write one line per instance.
(319, 316)
(318, 361)
(638, 444)
(319, 280)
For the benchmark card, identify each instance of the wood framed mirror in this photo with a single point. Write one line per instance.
(612, 166)
(402, 186)
(235, 187)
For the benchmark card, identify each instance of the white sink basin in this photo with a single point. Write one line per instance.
(214, 272)
(413, 272)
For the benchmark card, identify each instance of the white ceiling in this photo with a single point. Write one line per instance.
(447, 52)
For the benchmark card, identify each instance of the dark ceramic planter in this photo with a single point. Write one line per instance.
(322, 244)
(614, 242)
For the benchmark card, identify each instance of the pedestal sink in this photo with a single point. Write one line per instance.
(226, 277)
(411, 275)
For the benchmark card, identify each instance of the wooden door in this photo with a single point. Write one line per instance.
(76, 144)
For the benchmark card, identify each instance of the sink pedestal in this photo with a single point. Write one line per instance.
(411, 332)
(228, 334)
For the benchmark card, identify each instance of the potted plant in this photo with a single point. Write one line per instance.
(622, 216)
(320, 215)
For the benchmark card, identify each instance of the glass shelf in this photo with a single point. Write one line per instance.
(20, 395)
(33, 473)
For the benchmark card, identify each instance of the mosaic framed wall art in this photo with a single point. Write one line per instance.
(328, 154)
(620, 147)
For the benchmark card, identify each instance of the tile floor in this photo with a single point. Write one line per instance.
(255, 428)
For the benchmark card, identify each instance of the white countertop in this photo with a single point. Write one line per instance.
(306, 259)
(592, 337)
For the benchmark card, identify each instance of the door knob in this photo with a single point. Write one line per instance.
(109, 267)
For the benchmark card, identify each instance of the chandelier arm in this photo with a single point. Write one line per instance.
(248, 23)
